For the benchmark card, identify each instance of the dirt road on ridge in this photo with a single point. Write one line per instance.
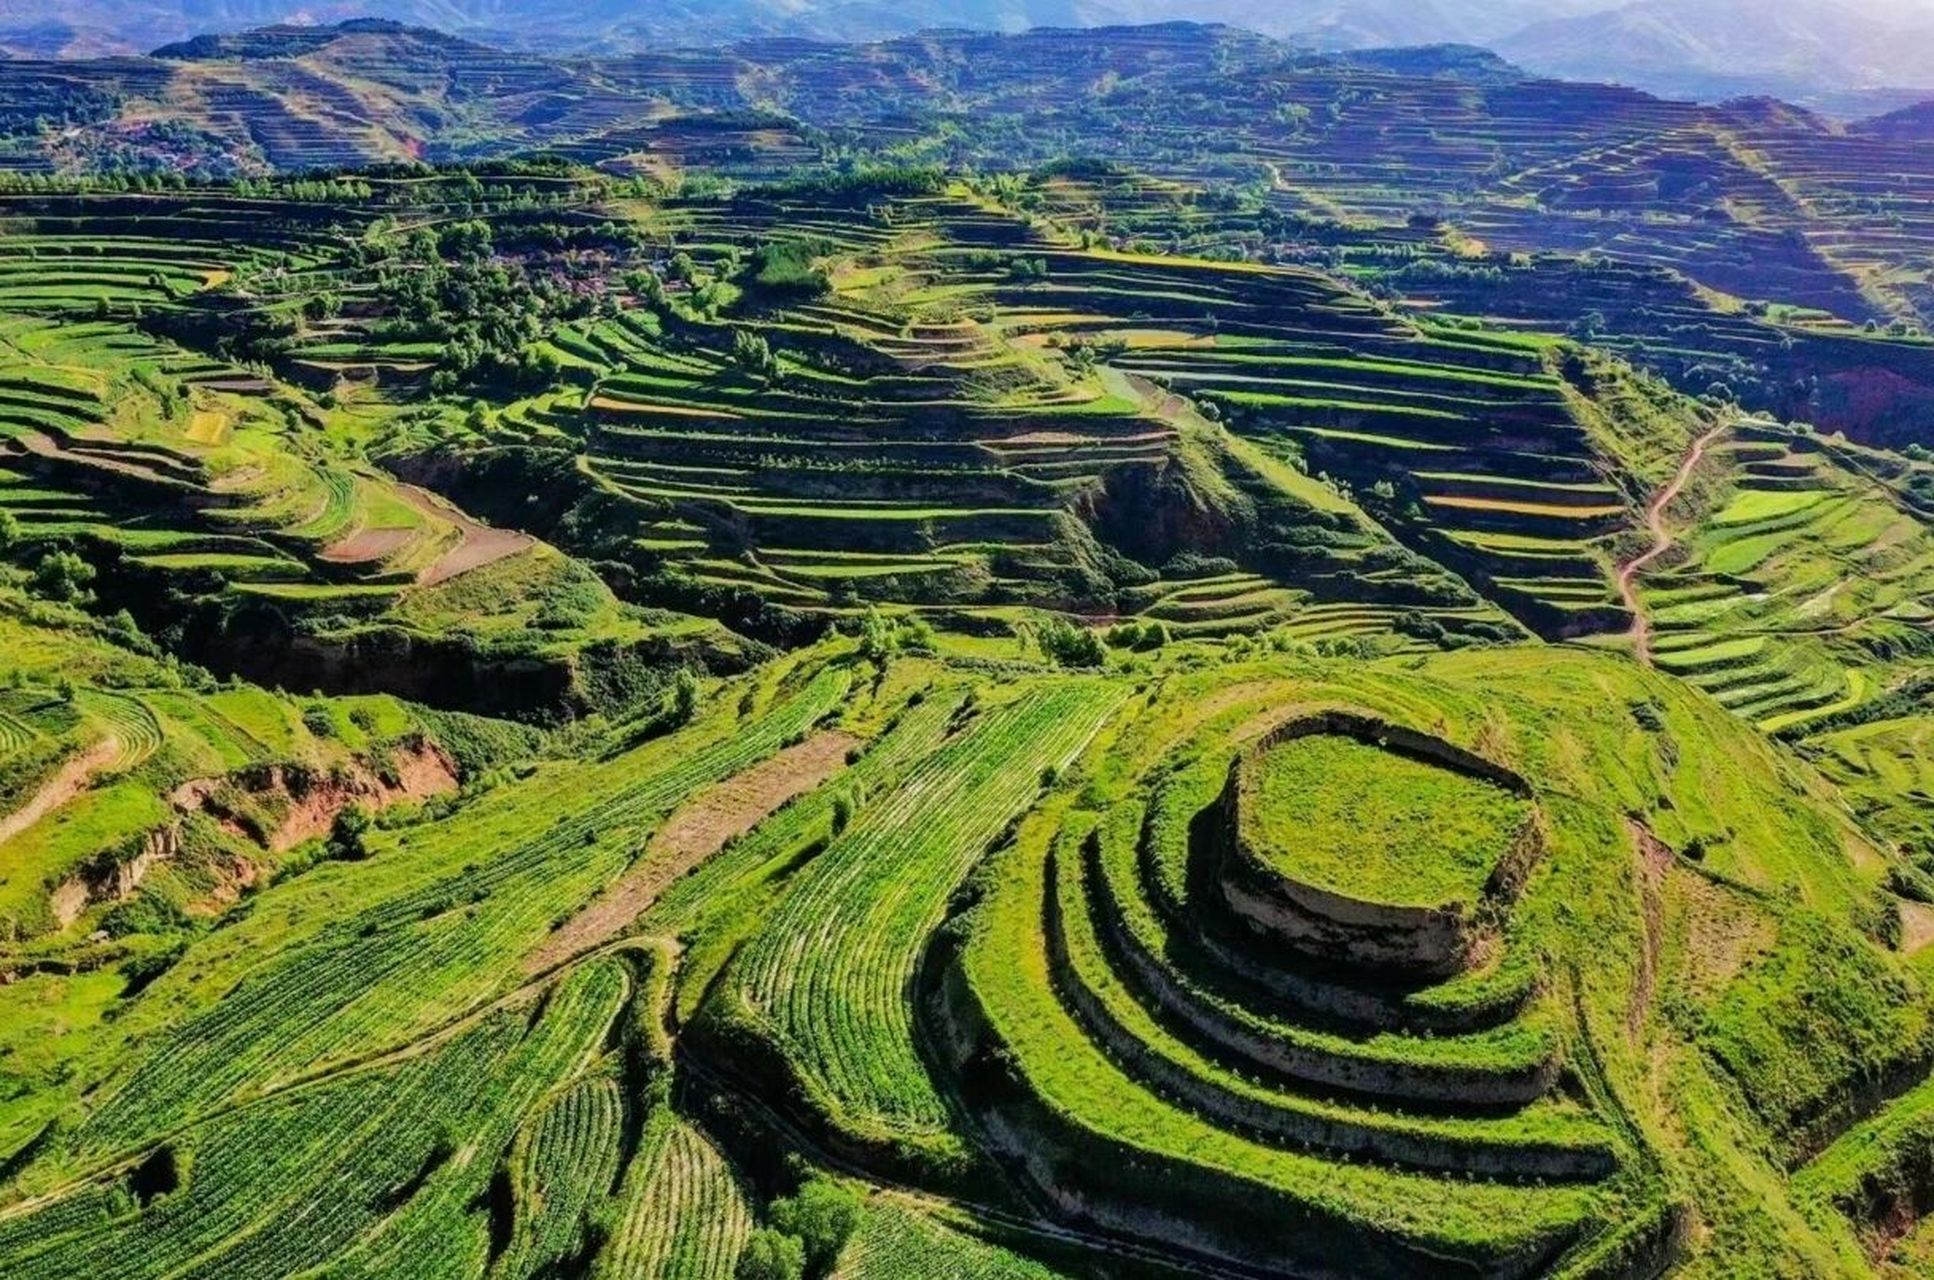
(1662, 540)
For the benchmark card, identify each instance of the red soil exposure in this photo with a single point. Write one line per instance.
(414, 774)
(478, 545)
(367, 545)
(691, 835)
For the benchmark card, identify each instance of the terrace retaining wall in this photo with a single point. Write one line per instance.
(1305, 1129)
(1103, 1183)
(1435, 941)
(1415, 1082)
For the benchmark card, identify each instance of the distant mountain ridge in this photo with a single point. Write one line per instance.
(1823, 52)
(1851, 60)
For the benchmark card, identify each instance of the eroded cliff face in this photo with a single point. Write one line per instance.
(288, 804)
(271, 808)
(117, 879)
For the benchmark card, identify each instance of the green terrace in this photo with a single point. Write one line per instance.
(1803, 590)
(214, 502)
(1459, 443)
(927, 427)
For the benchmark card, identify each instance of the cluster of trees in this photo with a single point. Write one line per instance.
(57, 103)
(859, 184)
(789, 269)
(447, 285)
(806, 1232)
(1028, 270)
(882, 636)
(752, 353)
(62, 576)
(1141, 637)
(1068, 645)
(155, 155)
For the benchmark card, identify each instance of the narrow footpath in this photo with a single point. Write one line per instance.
(1662, 540)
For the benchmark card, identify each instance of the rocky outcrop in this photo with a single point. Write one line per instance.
(288, 804)
(114, 878)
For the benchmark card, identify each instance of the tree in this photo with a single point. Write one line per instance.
(9, 531)
(1069, 645)
(684, 696)
(347, 835)
(752, 353)
(771, 1255)
(1028, 270)
(822, 1214)
(876, 638)
(62, 576)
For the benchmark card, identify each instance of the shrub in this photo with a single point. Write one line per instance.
(771, 1255)
(62, 576)
(140, 972)
(1069, 645)
(752, 353)
(146, 912)
(821, 1215)
(876, 638)
(684, 696)
(347, 834)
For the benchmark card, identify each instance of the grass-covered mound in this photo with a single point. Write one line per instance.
(1367, 822)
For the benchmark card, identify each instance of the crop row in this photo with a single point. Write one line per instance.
(683, 1213)
(450, 932)
(830, 974)
(373, 1169)
(568, 1161)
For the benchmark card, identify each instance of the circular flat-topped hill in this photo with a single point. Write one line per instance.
(1370, 845)
(1364, 821)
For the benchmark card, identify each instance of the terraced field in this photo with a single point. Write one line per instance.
(1126, 1025)
(1121, 653)
(1802, 587)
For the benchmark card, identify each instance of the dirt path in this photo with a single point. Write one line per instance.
(1654, 860)
(1662, 541)
(66, 783)
(691, 835)
(479, 544)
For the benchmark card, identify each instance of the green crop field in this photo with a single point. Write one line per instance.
(1102, 654)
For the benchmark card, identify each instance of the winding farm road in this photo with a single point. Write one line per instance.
(1662, 540)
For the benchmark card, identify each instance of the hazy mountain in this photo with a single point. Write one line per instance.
(1807, 50)
(625, 25)
(1849, 56)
